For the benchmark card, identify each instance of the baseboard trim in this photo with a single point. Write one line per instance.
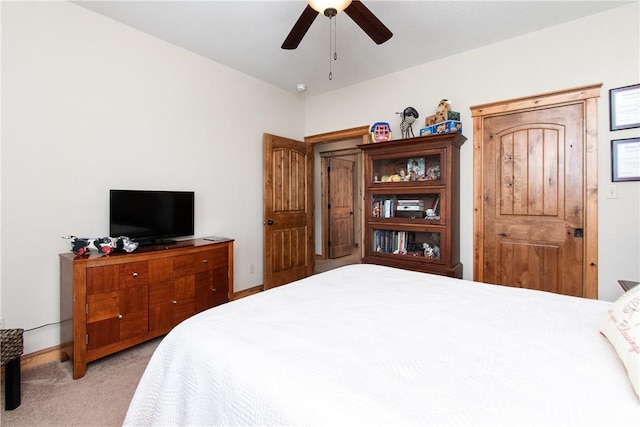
(41, 357)
(247, 292)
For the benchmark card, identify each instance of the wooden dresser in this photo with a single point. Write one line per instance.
(112, 302)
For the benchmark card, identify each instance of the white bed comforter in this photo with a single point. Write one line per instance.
(371, 345)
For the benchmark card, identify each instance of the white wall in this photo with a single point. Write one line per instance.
(603, 48)
(89, 104)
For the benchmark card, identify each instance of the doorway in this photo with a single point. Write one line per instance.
(340, 200)
(346, 139)
(290, 240)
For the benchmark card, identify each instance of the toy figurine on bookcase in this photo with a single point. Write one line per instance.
(441, 114)
(409, 115)
(431, 251)
(380, 132)
(433, 173)
(443, 121)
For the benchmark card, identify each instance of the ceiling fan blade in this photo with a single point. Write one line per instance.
(368, 22)
(300, 28)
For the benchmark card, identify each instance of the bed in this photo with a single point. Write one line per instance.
(373, 345)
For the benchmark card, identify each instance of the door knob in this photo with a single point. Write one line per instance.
(268, 222)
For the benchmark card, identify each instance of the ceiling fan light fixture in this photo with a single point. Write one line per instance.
(323, 6)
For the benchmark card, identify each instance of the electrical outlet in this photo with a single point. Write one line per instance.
(252, 269)
(612, 191)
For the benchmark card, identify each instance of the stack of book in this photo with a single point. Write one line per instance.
(411, 205)
(410, 208)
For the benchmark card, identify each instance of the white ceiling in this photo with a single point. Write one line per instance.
(247, 35)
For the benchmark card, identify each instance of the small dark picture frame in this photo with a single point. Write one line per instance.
(625, 159)
(624, 107)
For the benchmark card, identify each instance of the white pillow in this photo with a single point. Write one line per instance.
(622, 329)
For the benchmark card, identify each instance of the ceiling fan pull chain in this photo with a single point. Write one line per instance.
(335, 39)
(330, 49)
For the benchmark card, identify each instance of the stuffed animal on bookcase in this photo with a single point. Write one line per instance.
(441, 115)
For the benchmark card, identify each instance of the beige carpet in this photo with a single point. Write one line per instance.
(50, 397)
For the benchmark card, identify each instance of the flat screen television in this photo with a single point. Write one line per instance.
(151, 217)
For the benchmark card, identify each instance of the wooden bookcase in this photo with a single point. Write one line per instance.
(412, 209)
(116, 301)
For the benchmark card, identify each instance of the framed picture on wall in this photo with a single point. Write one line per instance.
(624, 107)
(625, 159)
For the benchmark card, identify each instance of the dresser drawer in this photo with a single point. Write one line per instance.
(211, 259)
(113, 277)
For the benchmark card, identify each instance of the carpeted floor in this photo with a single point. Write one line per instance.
(50, 397)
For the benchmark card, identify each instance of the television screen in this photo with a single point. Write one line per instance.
(150, 216)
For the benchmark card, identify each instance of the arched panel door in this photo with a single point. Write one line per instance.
(535, 179)
(287, 210)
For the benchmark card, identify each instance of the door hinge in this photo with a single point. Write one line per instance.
(86, 309)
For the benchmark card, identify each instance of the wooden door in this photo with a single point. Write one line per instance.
(341, 207)
(288, 232)
(536, 203)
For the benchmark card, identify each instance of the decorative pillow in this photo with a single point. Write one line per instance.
(622, 329)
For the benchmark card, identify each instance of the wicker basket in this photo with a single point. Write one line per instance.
(11, 344)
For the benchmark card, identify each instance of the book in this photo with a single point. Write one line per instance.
(387, 209)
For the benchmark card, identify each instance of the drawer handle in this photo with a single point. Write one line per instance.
(214, 289)
(205, 261)
(120, 316)
(174, 301)
(135, 274)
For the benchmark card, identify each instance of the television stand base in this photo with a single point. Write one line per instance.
(159, 242)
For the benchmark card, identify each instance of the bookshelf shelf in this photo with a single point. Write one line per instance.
(412, 199)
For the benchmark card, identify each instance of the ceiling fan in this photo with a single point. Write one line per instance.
(330, 8)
